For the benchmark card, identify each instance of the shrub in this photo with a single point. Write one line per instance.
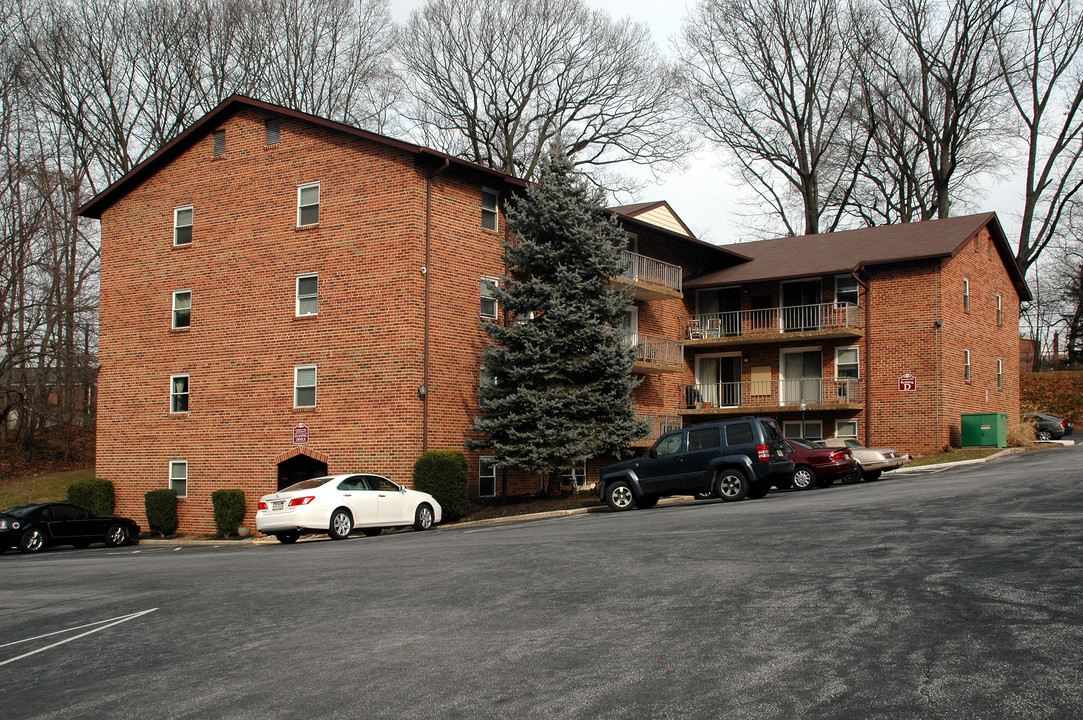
(94, 495)
(1021, 435)
(442, 474)
(162, 511)
(228, 510)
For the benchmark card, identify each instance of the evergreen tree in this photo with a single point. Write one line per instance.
(562, 364)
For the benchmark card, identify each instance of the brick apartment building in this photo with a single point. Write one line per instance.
(284, 296)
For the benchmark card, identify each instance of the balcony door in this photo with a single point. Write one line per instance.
(801, 305)
(719, 379)
(719, 311)
(802, 373)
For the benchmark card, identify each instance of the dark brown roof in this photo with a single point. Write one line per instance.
(100, 202)
(843, 252)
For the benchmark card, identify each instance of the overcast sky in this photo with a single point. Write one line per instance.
(704, 194)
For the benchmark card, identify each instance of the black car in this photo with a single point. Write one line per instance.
(1048, 427)
(34, 526)
(732, 459)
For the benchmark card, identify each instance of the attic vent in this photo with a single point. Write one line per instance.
(274, 130)
(219, 143)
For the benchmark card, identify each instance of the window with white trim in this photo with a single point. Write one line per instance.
(178, 477)
(182, 309)
(486, 379)
(846, 289)
(304, 386)
(486, 477)
(847, 366)
(489, 306)
(1000, 308)
(966, 294)
(182, 225)
(1000, 374)
(966, 364)
(575, 477)
(846, 428)
(808, 430)
(308, 204)
(178, 393)
(490, 215)
(307, 302)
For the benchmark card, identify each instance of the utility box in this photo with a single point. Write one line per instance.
(985, 429)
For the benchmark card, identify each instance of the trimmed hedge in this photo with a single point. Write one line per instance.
(228, 510)
(95, 495)
(162, 511)
(442, 474)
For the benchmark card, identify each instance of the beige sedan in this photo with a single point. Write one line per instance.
(873, 461)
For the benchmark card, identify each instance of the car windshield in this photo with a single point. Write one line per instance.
(801, 444)
(306, 484)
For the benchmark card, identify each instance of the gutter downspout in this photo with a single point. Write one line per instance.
(868, 359)
(426, 271)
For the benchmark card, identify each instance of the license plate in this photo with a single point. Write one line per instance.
(278, 505)
(778, 451)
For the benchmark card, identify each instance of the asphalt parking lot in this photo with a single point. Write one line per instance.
(945, 594)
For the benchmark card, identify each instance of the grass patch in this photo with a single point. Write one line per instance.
(39, 488)
(524, 505)
(970, 453)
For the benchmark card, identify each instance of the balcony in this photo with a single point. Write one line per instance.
(657, 355)
(660, 424)
(773, 396)
(775, 325)
(651, 279)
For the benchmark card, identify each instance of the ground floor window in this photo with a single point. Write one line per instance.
(486, 477)
(809, 429)
(575, 477)
(846, 428)
(178, 477)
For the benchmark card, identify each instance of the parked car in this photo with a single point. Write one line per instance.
(732, 459)
(339, 503)
(35, 526)
(1048, 427)
(874, 461)
(817, 466)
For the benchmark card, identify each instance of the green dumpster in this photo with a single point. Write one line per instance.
(989, 429)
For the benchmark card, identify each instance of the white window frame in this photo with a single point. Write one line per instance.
(482, 461)
(187, 394)
(179, 463)
(966, 294)
(966, 365)
(856, 349)
(495, 282)
(857, 288)
(298, 297)
(174, 324)
(1000, 374)
(319, 199)
(839, 424)
(315, 384)
(803, 426)
(575, 476)
(1000, 309)
(191, 225)
(490, 211)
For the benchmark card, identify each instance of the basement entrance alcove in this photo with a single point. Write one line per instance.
(298, 468)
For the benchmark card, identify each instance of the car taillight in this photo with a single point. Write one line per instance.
(762, 452)
(262, 505)
(1064, 423)
(302, 500)
(839, 454)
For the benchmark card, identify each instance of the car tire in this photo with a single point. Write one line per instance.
(1044, 435)
(341, 524)
(288, 538)
(372, 532)
(619, 496)
(872, 475)
(705, 495)
(804, 478)
(32, 541)
(731, 485)
(116, 536)
(851, 478)
(647, 502)
(423, 517)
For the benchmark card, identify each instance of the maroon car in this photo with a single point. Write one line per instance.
(815, 466)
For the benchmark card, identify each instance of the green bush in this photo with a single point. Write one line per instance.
(162, 511)
(94, 495)
(442, 474)
(228, 510)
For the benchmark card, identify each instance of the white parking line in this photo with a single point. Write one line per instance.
(111, 622)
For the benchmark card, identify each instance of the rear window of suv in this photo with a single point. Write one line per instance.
(739, 434)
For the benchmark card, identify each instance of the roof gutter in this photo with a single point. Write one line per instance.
(426, 271)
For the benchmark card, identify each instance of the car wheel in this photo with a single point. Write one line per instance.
(287, 537)
(117, 536)
(31, 541)
(872, 475)
(804, 477)
(1045, 435)
(647, 502)
(851, 478)
(732, 485)
(341, 524)
(619, 496)
(705, 495)
(372, 532)
(423, 517)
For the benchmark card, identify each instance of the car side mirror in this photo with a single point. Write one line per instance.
(652, 453)
(402, 488)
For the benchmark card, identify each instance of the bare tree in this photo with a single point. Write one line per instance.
(495, 81)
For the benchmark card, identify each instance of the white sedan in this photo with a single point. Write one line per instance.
(339, 503)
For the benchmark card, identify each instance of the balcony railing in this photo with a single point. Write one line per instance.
(793, 318)
(785, 393)
(639, 268)
(658, 350)
(660, 424)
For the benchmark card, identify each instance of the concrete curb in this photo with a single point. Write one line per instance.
(1003, 453)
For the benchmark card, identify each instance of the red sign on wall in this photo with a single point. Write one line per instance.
(300, 434)
(908, 383)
